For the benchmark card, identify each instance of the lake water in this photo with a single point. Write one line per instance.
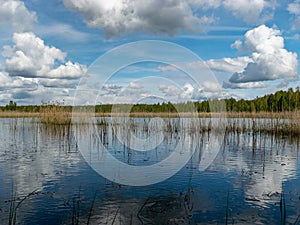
(50, 174)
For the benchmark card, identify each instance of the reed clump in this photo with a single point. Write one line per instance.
(271, 126)
(275, 123)
(55, 113)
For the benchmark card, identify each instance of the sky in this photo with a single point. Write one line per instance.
(51, 49)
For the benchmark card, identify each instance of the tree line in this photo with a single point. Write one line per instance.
(278, 102)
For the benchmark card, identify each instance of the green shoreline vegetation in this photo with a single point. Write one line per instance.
(281, 101)
(282, 109)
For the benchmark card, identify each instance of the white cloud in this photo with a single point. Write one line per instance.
(151, 16)
(57, 83)
(40, 95)
(237, 44)
(270, 60)
(117, 17)
(111, 89)
(7, 82)
(68, 70)
(171, 90)
(191, 93)
(250, 11)
(263, 39)
(207, 4)
(176, 94)
(34, 90)
(30, 57)
(128, 93)
(15, 13)
(134, 86)
(294, 9)
(229, 65)
(249, 85)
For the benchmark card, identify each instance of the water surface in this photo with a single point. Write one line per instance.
(41, 166)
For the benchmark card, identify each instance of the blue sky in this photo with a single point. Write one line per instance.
(251, 48)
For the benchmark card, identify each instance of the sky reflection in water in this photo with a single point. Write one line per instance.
(249, 171)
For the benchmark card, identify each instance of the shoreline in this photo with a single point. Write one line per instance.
(262, 115)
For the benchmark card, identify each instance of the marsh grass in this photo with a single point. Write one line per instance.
(277, 123)
(16, 114)
(55, 113)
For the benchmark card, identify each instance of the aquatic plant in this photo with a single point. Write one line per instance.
(55, 113)
(91, 209)
(14, 207)
(282, 208)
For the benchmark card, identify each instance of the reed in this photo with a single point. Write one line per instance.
(91, 209)
(282, 208)
(115, 216)
(55, 113)
(16, 114)
(76, 209)
(12, 210)
(12, 220)
(274, 123)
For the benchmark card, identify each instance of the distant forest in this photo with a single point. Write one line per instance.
(279, 102)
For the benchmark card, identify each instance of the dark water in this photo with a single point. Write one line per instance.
(254, 179)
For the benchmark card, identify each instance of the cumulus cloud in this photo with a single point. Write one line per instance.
(176, 94)
(133, 90)
(190, 93)
(30, 57)
(15, 13)
(270, 60)
(7, 82)
(230, 65)
(129, 93)
(68, 70)
(171, 90)
(117, 17)
(152, 16)
(57, 83)
(250, 11)
(39, 95)
(34, 90)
